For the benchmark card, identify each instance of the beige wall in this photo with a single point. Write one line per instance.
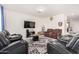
(14, 22)
(75, 24)
(53, 23)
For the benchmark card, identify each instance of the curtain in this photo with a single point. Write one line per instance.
(1, 18)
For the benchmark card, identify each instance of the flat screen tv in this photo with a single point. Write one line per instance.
(29, 24)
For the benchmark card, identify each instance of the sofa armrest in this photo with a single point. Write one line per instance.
(16, 47)
(3, 52)
(57, 48)
(15, 37)
(14, 44)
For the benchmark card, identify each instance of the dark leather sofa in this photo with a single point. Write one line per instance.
(16, 47)
(57, 47)
(53, 33)
(12, 37)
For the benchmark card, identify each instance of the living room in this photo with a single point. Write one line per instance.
(40, 26)
(13, 16)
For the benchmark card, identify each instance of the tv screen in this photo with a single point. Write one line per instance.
(29, 24)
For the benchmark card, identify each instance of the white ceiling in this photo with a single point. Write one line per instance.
(49, 9)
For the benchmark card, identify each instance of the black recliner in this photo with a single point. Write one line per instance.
(56, 47)
(16, 47)
(12, 37)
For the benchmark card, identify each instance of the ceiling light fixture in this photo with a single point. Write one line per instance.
(40, 9)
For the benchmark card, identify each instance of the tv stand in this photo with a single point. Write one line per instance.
(29, 33)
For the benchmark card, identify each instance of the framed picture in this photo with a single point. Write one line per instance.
(59, 24)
